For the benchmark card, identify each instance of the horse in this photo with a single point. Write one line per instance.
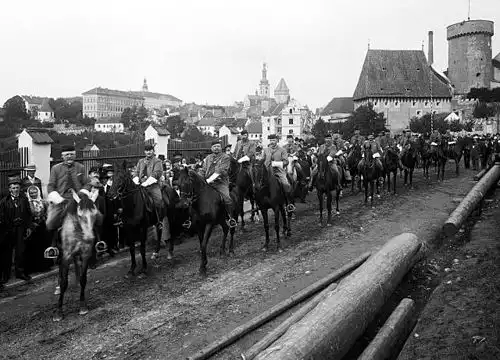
(327, 180)
(370, 174)
(454, 150)
(353, 160)
(208, 209)
(136, 215)
(77, 243)
(269, 195)
(244, 188)
(409, 161)
(440, 158)
(426, 155)
(391, 165)
(303, 176)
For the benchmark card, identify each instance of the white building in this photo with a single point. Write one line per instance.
(255, 131)
(154, 100)
(207, 125)
(271, 123)
(112, 125)
(160, 136)
(292, 119)
(45, 113)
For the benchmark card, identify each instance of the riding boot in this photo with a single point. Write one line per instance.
(228, 207)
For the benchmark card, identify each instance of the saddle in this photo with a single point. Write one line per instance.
(148, 201)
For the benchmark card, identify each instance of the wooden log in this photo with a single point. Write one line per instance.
(278, 309)
(330, 329)
(480, 174)
(283, 327)
(396, 328)
(469, 203)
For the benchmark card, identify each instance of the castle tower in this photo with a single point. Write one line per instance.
(264, 83)
(469, 55)
(145, 86)
(282, 93)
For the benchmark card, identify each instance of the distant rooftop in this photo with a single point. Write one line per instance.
(110, 92)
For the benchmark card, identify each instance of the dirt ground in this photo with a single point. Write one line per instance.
(462, 317)
(173, 313)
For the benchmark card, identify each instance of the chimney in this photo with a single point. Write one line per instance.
(430, 57)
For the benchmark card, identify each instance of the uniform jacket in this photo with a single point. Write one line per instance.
(275, 154)
(435, 138)
(27, 182)
(386, 142)
(328, 150)
(247, 148)
(217, 163)
(153, 166)
(406, 141)
(8, 212)
(374, 146)
(291, 148)
(357, 139)
(58, 180)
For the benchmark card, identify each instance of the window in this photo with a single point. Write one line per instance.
(386, 103)
(438, 103)
(426, 104)
(419, 112)
(290, 121)
(396, 104)
(291, 112)
(290, 131)
(268, 128)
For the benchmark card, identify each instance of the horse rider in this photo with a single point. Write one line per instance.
(292, 149)
(386, 141)
(329, 150)
(405, 144)
(244, 153)
(435, 139)
(216, 172)
(276, 157)
(339, 145)
(148, 173)
(375, 150)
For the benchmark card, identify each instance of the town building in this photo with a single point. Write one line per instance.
(207, 125)
(402, 85)
(153, 100)
(282, 93)
(231, 133)
(109, 125)
(338, 110)
(45, 113)
(160, 136)
(254, 129)
(106, 103)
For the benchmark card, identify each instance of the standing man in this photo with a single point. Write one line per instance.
(244, 153)
(148, 173)
(16, 221)
(31, 179)
(216, 172)
(276, 157)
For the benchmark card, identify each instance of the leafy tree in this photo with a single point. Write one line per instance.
(367, 120)
(191, 133)
(482, 110)
(469, 125)
(142, 113)
(175, 125)
(128, 116)
(15, 109)
(456, 126)
(320, 129)
(423, 124)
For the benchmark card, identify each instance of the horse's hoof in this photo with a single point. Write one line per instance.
(57, 291)
(129, 275)
(280, 250)
(83, 311)
(337, 212)
(170, 255)
(57, 318)
(264, 249)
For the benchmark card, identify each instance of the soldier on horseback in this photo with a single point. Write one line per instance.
(339, 145)
(245, 153)
(405, 143)
(357, 139)
(329, 150)
(276, 157)
(435, 139)
(375, 151)
(292, 150)
(216, 172)
(385, 140)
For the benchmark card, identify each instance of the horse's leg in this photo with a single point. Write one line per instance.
(394, 180)
(265, 218)
(287, 219)
(388, 181)
(372, 188)
(131, 249)
(277, 227)
(457, 165)
(63, 283)
(365, 183)
(329, 199)
(320, 199)
(231, 240)
(144, 269)
(84, 263)
(353, 181)
(411, 178)
(225, 231)
(204, 245)
(241, 200)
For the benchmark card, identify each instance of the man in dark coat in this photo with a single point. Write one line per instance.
(31, 179)
(16, 222)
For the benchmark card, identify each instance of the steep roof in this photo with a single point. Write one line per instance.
(496, 61)
(207, 121)
(275, 110)
(33, 100)
(400, 74)
(281, 86)
(161, 130)
(89, 147)
(339, 105)
(45, 106)
(40, 137)
(110, 92)
(255, 127)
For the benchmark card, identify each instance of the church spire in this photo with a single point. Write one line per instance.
(264, 83)
(145, 85)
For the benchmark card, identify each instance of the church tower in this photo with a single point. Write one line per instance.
(282, 93)
(145, 86)
(264, 83)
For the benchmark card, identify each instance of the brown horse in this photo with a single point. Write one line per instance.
(77, 242)
(391, 165)
(327, 181)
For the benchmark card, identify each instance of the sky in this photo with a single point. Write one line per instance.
(211, 51)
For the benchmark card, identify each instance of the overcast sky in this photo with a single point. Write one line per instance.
(211, 51)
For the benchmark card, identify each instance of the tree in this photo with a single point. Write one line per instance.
(456, 126)
(15, 109)
(366, 119)
(128, 116)
(191, 133)
(320, 129)
(483, 110)
(142, 113)
(422, 124)
(469, 125)
(175, 125)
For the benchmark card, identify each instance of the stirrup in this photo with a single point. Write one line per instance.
(101, 247)
(290, 208)
(186, 224)
(231, 222)
(51, 253)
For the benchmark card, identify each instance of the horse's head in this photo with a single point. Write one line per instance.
(322, 165)
(81, 213)
(190, 182)
(122, 182)
(260, 175)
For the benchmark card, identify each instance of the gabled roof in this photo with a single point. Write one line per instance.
(111, 120)
(339, 105)
(161, 130)
(89, 147)
(399, 74)
(110, 92)
(281, 86)
(275, 110)
(33, 100)
(496, 61)
(207, 121)
(40, 137)
(45, 106)
(255, 127)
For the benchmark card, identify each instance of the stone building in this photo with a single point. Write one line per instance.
(154, 100)
(106, 103)
(402, 85)
(282, 93)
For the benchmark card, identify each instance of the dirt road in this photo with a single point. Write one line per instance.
(173, 313)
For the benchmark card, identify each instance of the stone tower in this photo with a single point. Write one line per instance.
(264, 83)
(282, 93)
(145, 86)
(469, 55)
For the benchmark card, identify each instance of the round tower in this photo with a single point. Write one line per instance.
(469, 55)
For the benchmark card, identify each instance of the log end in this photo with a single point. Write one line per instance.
(449, 229)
